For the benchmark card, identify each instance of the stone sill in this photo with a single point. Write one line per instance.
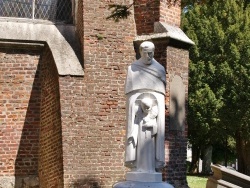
(163, 30)
(33, 46)
(61, 39)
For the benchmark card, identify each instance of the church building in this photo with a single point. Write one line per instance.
(63, 68)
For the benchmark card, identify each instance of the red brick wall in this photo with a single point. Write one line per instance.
(147, 12)
(30, 119)
(170, 12)
(93, 122)
(50, 148)
(176, 141)
(19, 112)
(85, 148)
(93, 106)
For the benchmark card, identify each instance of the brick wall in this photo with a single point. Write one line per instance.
(19, 113)
(30, 119)
(176, 141)
(82, 119)
(50, 142)
(93, 130)
(93, 106)
(147, 12)
(170, 12)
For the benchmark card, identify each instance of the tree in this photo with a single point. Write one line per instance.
(121, 11)
(219, 91)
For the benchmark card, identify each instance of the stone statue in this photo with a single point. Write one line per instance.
(145, 108)
(145, 92)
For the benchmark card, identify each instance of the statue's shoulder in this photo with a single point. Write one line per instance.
(135, 65)
(136, 62)
(157, 65)
(153, 66)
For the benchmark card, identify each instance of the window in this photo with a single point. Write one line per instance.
(53, 10)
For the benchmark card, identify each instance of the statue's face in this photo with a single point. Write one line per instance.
(146, 105)
(147, 56)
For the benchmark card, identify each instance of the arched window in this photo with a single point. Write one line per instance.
(53, 10)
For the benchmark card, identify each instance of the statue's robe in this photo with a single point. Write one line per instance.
(146, 124)
(145, 79)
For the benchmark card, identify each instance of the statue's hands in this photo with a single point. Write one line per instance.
(148, 124)
(131, 140)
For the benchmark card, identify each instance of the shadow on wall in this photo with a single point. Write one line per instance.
(26, 164)
(176, 140)
(88, 182)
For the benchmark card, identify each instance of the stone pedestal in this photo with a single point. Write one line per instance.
(136, 184)
(144, 177)
(143, 180)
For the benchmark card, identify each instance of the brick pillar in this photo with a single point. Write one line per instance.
(19, 116)
(176, 132)
(50, 140)
(147, 12)
(170, 12)
(30, 118)
(174, 56)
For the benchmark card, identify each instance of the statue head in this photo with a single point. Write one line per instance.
(146, 104)
(147, 52)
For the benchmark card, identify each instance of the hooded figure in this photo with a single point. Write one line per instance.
(145, 93)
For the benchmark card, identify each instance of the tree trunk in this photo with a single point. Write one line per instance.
(207, 160)
(241, 153)
(194, 166)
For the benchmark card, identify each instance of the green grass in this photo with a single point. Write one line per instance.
(196, 181)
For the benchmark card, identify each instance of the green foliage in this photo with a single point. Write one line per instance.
(219, 89)
(119, 11)
(123, 11)
(99, 36)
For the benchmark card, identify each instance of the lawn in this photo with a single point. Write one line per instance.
(197, 181)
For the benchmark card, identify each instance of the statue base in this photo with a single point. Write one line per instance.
(136, 184)
(144, 176)
(143, 180)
